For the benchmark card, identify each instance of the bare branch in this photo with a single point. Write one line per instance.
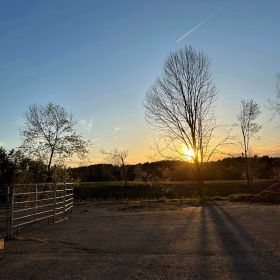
(118, 157)
(249, 112)
(49, 134)
(180, 105)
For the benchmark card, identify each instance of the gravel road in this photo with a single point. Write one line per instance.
(131, 241)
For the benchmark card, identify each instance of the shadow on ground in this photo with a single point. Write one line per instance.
(222, 241)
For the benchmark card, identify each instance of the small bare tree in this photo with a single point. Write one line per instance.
(249, 112)
(180, 105)
(274, 104)
(118, 157)
(49, 135)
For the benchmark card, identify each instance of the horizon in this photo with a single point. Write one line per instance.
(99, 62)
(169, 160)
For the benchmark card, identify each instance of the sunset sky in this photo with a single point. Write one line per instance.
(99, 58)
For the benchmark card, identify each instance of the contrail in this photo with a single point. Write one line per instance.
(197, 26)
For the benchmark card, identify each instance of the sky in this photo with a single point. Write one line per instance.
(97, 59)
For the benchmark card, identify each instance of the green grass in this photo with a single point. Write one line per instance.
(164, 190)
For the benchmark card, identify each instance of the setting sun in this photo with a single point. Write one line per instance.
(188, 153)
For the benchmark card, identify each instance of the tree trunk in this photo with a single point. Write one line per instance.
(49, 179)
(124, 173)
(199, 179)
(49, 167)
(247, 171)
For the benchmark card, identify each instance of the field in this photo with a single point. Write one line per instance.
(164, 190)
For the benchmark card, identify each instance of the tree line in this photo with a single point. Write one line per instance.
(225, 169)
(16, 168)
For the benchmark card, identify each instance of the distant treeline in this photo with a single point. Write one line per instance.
(16, 168)
(226, 169)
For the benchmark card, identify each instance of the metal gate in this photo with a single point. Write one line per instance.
(29, 203)
(3, 211)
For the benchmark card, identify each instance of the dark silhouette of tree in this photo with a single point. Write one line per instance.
(223, 169)
(118, 157)
(7, 168)
(180, 106)
(249, 112)
(49, 135)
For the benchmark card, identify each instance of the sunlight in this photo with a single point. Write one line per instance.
(188, 152)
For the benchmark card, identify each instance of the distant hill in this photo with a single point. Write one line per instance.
(226, 169)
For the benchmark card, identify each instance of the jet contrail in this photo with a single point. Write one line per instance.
(197, 26)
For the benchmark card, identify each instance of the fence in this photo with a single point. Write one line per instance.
(3, 210)
(29, 203)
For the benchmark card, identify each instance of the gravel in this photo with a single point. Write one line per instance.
(124, 241)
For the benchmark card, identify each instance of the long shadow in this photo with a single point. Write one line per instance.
(240, 257)
(262, 250)
(241, 231)
(203, 245)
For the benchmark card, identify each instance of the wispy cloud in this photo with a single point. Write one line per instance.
(199, 25)
(117, 129)
(87, 124)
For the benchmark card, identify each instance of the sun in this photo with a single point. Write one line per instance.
(188, 153)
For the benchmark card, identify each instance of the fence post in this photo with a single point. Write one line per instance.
(10, 210)
(64, 200)
(8, 213)
(36, 199)
(54, 201)
(72, 196)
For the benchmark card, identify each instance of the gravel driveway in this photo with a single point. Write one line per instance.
(156, 241)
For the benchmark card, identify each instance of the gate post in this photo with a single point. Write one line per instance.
(36, 200)
(10, 210)
(64, 200)
(54, 201)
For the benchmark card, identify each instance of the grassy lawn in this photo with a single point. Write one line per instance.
(159, 190)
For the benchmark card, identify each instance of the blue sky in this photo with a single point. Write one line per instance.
(98, 59)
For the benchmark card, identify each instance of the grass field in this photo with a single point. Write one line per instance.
(164, 190)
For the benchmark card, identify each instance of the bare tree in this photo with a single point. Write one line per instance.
(274, 104)
(118, 157)
(180, 105)
(49, 134)
(249, 112)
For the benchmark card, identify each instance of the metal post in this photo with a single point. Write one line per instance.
(72, 192)
(36, 200)
(8, 213)
(11, 197)
(64, 200)
(54, 201)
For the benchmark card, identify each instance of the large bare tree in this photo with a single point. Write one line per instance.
(180, 105)
(118, 157)
(49, 134)
(247, 121)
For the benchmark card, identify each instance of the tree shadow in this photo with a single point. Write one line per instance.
(237, 244)
(203, 235)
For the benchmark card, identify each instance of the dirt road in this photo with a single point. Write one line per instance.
(118, 241)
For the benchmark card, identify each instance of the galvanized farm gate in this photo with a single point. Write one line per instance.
(29, 203)
(3, 211)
